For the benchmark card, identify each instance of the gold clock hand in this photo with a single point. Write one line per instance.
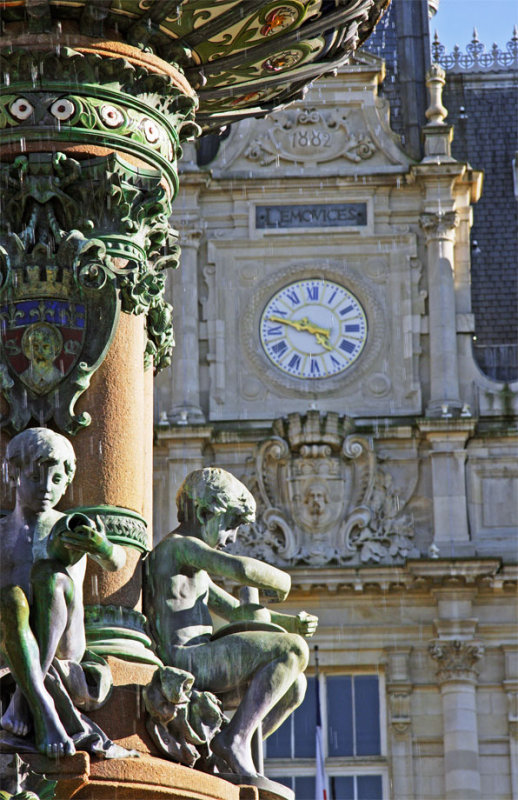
(323, 339)
(321, 334)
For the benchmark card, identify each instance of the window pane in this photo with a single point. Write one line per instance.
(305, 788)
(342, 788)
(304, 720)
(339, 716)
(369, 787)
(278, 745)
(367, 712)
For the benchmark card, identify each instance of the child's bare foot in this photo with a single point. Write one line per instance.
(235, 753)
(52, 739)
(17, 718)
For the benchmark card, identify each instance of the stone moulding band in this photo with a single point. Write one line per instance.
(120, 632)
(123, 526)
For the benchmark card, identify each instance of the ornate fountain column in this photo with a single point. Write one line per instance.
(89, 143)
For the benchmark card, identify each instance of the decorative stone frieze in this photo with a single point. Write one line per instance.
(325, 497)
(418, 575)
(456, 659)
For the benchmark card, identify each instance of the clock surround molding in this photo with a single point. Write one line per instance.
(340, 273)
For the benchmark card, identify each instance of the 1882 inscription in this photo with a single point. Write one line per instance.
(322, 215)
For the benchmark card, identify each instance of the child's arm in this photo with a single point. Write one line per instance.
(241, 569)
(69, 542)
(225, 605)
(302, 623)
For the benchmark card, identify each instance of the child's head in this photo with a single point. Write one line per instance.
(37, 447)
(214, 493)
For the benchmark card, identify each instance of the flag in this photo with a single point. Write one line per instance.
(321, 780)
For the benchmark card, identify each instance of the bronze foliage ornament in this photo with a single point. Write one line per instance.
(79, 242)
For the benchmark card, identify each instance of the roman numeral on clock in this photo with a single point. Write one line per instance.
(293, 297)
(294, 362)
(346, 346)
(279, 348)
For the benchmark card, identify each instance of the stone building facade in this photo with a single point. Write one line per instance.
(325, 357)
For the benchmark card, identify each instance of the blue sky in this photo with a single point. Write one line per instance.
(493, 19)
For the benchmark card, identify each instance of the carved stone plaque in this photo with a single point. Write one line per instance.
(320, 215)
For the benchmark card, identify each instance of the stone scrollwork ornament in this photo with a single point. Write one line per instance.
(310, 135)
(324, 497)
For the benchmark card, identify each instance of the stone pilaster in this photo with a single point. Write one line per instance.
(399, 690)
(457, 677)
(457, 652)
(179, 388)
(179, 449)
(439, 228)
(448, 441)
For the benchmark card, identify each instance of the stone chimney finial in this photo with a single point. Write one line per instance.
(436, 113)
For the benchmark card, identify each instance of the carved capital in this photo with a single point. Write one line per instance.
(439, 225)
(456, 659)
(190, 233)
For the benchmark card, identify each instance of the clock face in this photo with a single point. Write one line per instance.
(313, 328)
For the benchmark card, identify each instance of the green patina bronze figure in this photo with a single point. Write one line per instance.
(41, 601)
(256, 662)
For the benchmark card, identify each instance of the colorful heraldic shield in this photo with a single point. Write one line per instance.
(56, 324)
(42, 340)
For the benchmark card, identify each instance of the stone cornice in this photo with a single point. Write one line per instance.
(447, 435)
(170, 435)
(419, 576)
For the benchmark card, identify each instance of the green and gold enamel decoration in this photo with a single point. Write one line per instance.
(313, 328)
(237, 55)
(79, 242)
